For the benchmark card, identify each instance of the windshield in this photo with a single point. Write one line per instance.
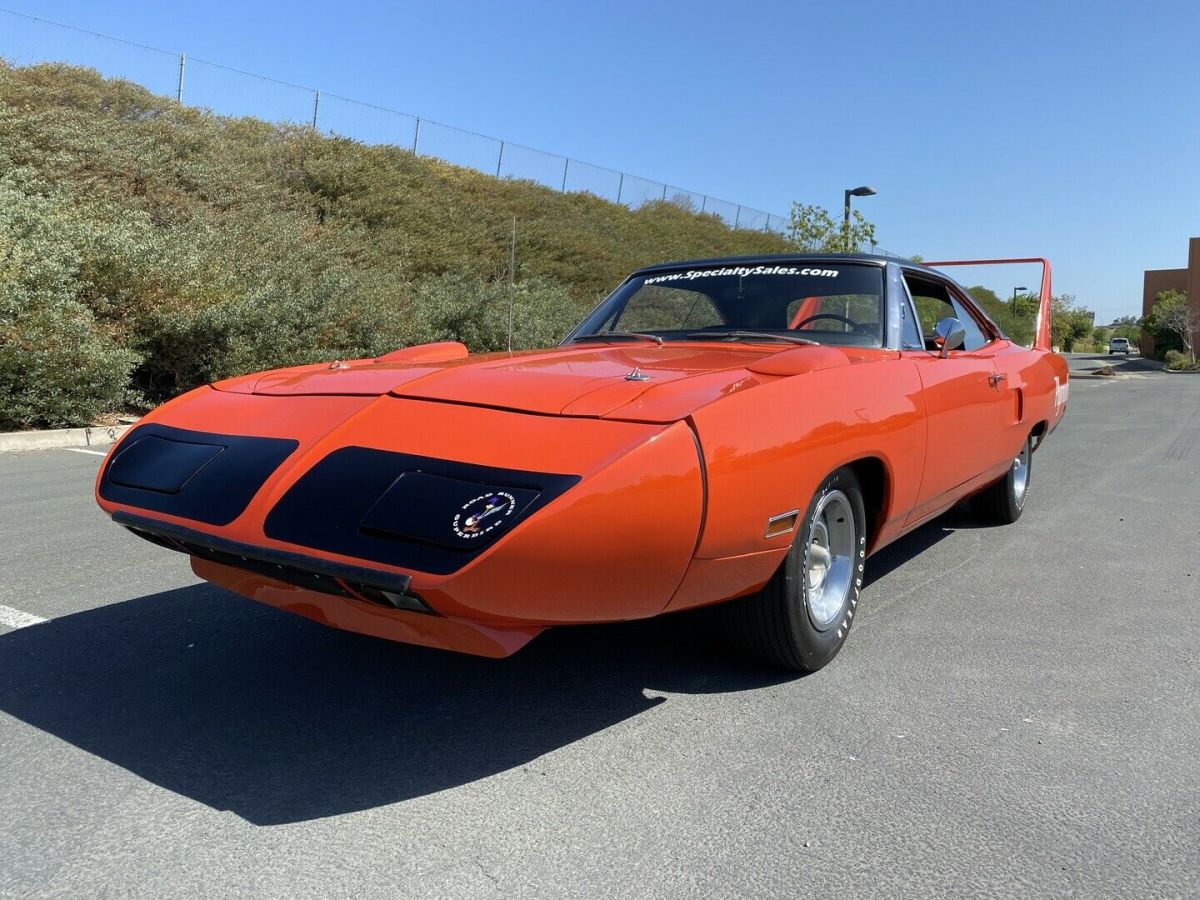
(825, 303)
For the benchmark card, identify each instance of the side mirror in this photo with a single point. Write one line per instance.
(949, 334)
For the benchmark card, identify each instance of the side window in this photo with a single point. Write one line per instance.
(976, 337)
(934, 303)
(656, 308)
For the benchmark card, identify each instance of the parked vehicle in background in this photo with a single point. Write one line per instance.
(1118, 345)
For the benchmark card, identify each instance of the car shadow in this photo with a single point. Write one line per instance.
(280, 720)
(913, 544)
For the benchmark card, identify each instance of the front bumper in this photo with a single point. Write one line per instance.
(350, 614)
(298, 570)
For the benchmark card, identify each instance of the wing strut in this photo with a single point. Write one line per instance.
(1041, 340)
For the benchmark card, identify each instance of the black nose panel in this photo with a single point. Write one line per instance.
(160, 464)
(446, 511)
(416, 512)
(191, 474)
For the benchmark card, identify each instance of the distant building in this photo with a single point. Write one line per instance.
(1158, 280)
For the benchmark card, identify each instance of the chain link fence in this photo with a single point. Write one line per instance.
(227, 91)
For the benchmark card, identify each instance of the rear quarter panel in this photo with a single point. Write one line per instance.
(1039, 383)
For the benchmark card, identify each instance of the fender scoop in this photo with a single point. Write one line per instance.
(798, 361)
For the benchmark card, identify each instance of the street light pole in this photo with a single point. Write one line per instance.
(863, 191)
(1014, 299)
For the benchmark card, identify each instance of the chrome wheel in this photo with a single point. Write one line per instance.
(829, 559)
(1021, 475)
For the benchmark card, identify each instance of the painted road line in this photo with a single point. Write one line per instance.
(14, 618)
(81, 450)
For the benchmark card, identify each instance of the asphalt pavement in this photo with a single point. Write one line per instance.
(1121, 363)
(1017, 712)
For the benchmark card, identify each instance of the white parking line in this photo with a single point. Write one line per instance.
(81, 450)
(14, 618)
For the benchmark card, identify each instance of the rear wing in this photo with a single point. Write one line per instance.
(1041, 329)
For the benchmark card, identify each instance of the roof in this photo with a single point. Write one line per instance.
(871, 258)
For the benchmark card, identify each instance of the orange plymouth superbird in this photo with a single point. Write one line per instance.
(750, 428)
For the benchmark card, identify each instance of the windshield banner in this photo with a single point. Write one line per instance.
(693, 274)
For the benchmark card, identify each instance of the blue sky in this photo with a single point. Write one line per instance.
(1064, 129)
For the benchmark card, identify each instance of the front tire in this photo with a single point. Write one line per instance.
(801, 618)
(1003, 502)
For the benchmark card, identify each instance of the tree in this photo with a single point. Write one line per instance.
(1172, 313)
(1069, 324)
(1017, 322)
(812, 229)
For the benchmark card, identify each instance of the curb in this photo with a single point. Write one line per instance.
(1073, 376)
(92, 436)
(1182, 372)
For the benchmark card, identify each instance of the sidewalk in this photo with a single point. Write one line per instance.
(92, 436)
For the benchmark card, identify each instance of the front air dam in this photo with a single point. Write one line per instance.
(439, 632)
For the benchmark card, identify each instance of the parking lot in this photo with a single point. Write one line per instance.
(1017, 712)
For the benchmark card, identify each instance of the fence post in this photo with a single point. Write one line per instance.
(738, 217)
(703, 202)
(500, 161)
(664, 192)
(566, 162)
(179, 89)
(316, 107)
(620, 186)
(416, 135)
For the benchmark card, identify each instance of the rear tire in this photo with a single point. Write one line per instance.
(801, 618)
(1003, 502)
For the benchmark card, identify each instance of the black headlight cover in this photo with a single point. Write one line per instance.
(195, 475)
(415, 512)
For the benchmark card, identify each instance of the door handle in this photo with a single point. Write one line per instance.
(994, 380)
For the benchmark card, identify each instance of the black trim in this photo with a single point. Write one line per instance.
(196, 475)
(403, 512)
(297, 569)
(769, 258)
(344, 503)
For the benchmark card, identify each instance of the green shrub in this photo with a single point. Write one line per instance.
(462, 307)
(1180, 361)
(56, 370)
(59, 363)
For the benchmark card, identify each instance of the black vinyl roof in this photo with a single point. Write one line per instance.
(776, 258)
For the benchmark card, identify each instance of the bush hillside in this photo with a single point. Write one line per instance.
(147, 247)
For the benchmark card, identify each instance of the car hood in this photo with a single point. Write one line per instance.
(640, 383)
